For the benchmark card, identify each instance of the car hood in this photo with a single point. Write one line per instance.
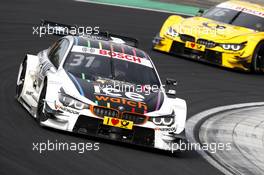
(113, 94)
(204, 28)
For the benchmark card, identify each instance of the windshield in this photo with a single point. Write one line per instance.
(93, 67)
(234, 17)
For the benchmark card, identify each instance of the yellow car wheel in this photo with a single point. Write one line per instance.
(257, 64)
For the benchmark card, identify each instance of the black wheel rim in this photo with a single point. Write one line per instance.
(260, 60)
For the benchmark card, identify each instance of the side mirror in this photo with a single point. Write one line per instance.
(200, 12)
(171, 82)
(170, 85)
(171, 92)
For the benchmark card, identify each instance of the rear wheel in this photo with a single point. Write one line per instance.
(21, 78)
(40, 115)
(257, 64)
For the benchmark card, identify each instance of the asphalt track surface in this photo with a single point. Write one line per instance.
(203, 86)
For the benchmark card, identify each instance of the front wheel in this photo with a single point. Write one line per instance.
(21, 78)
(257, 64)
(40, 115)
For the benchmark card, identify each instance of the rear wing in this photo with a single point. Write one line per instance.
(59, 29)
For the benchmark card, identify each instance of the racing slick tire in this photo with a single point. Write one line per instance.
(40, 113)
(257, 64)
(21, 78)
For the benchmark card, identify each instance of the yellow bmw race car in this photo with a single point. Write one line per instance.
(230, 34)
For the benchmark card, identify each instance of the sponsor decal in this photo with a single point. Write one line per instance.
(117, 93)
(119, 123)
(122, 101)
(213, 25)
(195, 46)
(120, 56)
(86, 49)
(172, 129)
(30, 93)
(240, 8)
(65, 109)
(111, 54)
(109, 94)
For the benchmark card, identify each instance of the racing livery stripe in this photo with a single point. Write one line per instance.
(105, 45)
(83, 76)
(112, 48)
(88, 43)
(134, 52)
(158, 102)
(76, 40)
(123, 50)
(100, 45)
(76, 83)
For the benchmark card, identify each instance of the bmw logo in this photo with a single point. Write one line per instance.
(121, 108)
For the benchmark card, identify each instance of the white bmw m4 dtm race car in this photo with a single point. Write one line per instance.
(102, 86)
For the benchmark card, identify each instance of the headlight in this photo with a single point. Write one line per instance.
(69, 101)
(172, 32)
(233, 47)
(167, 120)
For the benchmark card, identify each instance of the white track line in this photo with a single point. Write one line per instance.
(131, 7)
(194, 120)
